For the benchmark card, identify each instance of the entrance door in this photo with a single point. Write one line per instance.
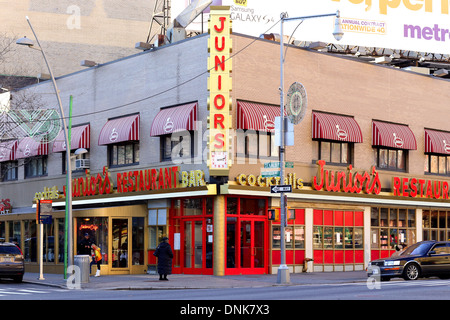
(120, 243)
(196, 249)
(252, 253)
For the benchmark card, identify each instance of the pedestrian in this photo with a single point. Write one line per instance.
(85, 245)
(164, 254)
(96, 258)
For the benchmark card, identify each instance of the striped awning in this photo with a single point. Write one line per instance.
(28, 147)
(80, 138)
(173, 119)
(393, 135)
(120, 130)
(335, 127)
(437, 142)
(256, 116)
(8, 150)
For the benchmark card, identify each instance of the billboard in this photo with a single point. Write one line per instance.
(416, 25)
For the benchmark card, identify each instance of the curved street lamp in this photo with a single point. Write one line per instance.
(283, 276)
(68, 254)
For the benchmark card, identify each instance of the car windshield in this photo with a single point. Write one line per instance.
(9, 250)
(417, 249)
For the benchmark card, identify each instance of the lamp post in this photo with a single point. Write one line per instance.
(68, 251)
(283, 276)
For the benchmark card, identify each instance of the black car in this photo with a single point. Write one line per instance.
(423, 259)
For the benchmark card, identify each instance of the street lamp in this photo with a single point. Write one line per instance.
(68, 254)
(283, 271)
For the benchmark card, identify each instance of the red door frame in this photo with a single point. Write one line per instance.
(252, 218)
(192, 270)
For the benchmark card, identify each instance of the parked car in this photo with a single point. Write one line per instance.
(11, 262)
(422, 259)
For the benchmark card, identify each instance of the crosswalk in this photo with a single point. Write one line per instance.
(393, 283)
(404, 283)
(11, 292)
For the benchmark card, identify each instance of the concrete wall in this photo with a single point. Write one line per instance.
(71, 31)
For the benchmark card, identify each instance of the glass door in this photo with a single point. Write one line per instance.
(120, 243)
(252, 245)
(193, 246)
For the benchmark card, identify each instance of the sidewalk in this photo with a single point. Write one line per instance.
(184, 281)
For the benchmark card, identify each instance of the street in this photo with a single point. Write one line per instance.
(423, 289)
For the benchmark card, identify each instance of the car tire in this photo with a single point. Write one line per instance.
(411, 272)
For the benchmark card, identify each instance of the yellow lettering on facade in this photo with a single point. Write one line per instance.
(193, 178)
(260, 181)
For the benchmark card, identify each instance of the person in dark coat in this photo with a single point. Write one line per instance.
(85, 245)
(165, 255)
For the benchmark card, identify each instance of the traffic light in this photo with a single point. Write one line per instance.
(290, 214)
(274, 214)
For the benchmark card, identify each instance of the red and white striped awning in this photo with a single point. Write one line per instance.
(437, 142)
(173, 119)
(119, 130)
(8, 150)
(28, 147)
(256, 116)
(393, 135)
(335, 127)
(80, 138)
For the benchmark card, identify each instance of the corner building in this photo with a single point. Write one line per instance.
(369, 168)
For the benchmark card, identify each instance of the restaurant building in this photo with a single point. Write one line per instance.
(181, 143)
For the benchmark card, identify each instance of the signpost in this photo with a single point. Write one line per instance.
(43, 208)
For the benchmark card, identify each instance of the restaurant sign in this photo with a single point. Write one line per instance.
(135, 181)
(346, 181)
(219, 86)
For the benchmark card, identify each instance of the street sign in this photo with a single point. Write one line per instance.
(45, 219)
(42, 207)
(282, 188)
(276, 164)
(270, 174)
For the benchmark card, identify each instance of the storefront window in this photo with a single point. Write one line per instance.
(436, 225)
(14, 233)
(232, 204)
(391, 227)
(30, 244)
(299, 237)
(61, 237)
(157, 221)
(338, 239)
(2, 230)
(193, 207)
(253, 206)
(294, 237)
(138, 241)
(49, 242)
(97, 228)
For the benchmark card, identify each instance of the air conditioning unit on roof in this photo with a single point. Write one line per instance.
(82, 164)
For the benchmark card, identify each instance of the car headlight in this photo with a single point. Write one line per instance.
(392, 263)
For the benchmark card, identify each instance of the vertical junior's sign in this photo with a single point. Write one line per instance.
(219, 86)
